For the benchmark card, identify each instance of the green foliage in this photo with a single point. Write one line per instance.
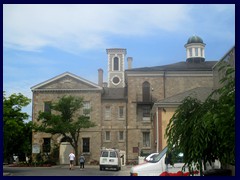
(222, 116)
(66, 120)
(206, 131)
(16, 133)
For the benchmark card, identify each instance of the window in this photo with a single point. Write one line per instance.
(190, 52)
(201, 52)
(113, 154)
(104, 154)
(107, 136)
(196, 51)
(107, 112)
(47, 107)
(86, 145)
(121, 112)
(115, 64)
(46, 145)
(146, 139)
(86, 108)
(120, 136)
(146, 91)
(146, 111)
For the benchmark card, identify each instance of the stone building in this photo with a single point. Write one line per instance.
(133, 108)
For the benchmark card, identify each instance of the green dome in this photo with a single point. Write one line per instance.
(194, 39)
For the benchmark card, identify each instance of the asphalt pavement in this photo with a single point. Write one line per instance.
(63, 170)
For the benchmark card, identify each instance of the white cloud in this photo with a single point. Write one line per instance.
(75, 27)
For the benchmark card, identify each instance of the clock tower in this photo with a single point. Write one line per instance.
(116, 69)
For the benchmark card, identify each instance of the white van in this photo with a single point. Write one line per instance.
(156, 165)
(110, 158)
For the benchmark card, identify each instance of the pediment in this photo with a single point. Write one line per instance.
(67, 81)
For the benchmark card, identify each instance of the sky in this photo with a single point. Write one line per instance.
(41, 41)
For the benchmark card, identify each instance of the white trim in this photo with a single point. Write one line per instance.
(34, 90)
(120, 80)
(119, 64)
(62, 75)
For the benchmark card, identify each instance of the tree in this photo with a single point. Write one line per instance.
(67, 121)
(222, 116)
(16, 133)
(206, 131)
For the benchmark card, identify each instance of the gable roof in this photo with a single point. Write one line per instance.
(201, 93)
(89, 85)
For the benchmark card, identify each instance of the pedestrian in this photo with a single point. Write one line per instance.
(168, 160)
(71, 158)
(82, 161)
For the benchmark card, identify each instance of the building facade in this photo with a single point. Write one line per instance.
(133, 108)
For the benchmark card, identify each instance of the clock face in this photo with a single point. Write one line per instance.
(116, 80)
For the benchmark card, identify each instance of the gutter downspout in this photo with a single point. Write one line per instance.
(157, 129)
(164, 81)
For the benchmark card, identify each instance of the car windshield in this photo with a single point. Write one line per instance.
(157, 157)
(150, 156)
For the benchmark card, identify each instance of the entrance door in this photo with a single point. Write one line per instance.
(64, 151)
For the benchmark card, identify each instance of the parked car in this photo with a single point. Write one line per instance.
(162, 162)
(110, 158)
(157, 165)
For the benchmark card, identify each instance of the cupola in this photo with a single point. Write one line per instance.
(195, 49)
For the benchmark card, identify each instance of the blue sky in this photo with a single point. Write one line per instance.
(43, 41)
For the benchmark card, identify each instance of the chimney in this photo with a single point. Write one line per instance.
(129, 60)
(100, 77)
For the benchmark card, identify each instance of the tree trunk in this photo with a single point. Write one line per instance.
(76, 154)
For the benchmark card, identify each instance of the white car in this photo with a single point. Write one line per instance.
(156, 165)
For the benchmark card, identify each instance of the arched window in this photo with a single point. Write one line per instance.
(146, 91)
(116, 64)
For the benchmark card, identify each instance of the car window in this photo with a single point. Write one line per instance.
(105, 154)
(179, 158)
(149, 157)
(157, 157)
(113, 154)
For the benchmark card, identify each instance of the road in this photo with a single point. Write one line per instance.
(63, 170)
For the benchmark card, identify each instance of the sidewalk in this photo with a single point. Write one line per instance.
(6, 174)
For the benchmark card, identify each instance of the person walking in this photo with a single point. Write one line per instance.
(82, 161)
(71, 158)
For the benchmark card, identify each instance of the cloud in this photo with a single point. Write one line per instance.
(83, 26)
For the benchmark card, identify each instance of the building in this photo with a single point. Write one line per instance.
(133, 108)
